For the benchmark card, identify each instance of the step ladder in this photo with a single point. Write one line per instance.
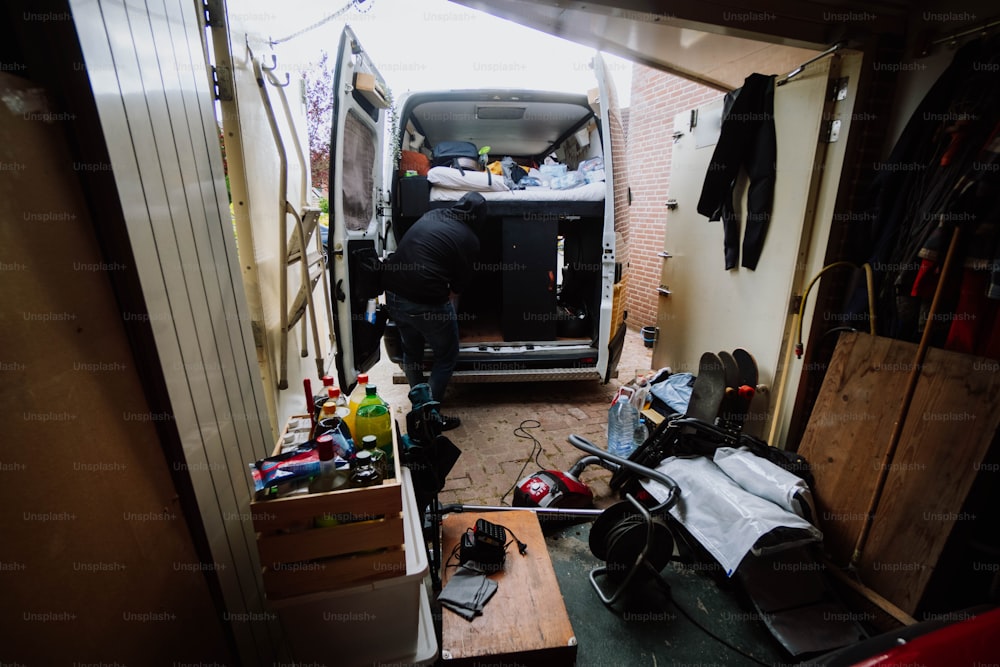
(302, 245)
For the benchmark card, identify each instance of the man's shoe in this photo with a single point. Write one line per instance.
(448, 423)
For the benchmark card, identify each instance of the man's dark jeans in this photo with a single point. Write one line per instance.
(420, 324)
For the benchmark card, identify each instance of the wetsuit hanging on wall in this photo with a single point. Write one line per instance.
(747, 140)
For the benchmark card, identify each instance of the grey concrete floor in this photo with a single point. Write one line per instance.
(644, 628)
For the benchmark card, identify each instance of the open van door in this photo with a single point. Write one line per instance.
(612, 327)
(357, 216)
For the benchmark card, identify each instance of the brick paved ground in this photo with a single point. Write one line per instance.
(492, 455)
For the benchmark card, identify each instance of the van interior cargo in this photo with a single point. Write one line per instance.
(541, 244)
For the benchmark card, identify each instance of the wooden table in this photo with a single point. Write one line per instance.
(525, 622)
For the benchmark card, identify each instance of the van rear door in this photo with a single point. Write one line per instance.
(616, 202)
(361, 102)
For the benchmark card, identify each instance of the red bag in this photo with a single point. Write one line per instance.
(413, 161)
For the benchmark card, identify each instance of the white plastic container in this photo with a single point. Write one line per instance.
(377, 622)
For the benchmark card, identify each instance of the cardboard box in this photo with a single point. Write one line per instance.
(372, 89)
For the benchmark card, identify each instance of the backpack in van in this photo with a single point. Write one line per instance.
(459, 155)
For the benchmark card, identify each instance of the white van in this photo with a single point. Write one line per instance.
(543, 300)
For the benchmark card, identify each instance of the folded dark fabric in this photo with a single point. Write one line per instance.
(467, 592)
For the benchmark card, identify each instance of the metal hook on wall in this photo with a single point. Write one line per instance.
(270, 76)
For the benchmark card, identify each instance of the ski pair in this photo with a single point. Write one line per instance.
(714, 415)
(722, 391)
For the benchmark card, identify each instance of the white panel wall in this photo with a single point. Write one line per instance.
(149, 74)
(253, 162)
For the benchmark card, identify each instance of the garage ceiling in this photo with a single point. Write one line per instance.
(717, 44)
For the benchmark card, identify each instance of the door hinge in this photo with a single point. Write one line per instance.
(222, 83)
(831, 131)
(381, 203)
(838, 89)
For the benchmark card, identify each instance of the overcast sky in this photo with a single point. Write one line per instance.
(436, 44)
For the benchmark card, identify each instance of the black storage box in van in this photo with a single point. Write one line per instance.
(414, 196)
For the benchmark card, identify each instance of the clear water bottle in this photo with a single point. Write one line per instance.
(624, 427)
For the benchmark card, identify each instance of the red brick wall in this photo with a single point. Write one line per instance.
(656, 98)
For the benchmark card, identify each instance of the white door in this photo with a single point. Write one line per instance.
(616, 219)
(357, 216)
(705, 308)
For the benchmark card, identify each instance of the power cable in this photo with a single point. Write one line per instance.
(536, 449)
(323, 21)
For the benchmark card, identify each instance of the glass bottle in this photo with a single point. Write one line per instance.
(330, 477)
(370, 444)
(364, 472)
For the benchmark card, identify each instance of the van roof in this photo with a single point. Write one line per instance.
(520, 123)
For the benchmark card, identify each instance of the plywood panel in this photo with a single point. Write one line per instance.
(951, 422)
(847, 436)
(950, 425)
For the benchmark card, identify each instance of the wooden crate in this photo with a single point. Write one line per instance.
(298, 558)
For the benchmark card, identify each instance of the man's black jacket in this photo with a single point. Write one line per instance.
(437, 254)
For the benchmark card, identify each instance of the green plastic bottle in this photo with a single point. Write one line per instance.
(373, 418)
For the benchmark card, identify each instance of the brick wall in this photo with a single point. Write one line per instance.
(656, 98)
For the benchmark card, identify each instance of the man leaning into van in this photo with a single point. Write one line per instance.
(432, 265)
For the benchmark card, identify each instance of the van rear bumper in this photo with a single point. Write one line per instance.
(511, 361)
(526, 375)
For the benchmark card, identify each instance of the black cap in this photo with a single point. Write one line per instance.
(471, 208)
